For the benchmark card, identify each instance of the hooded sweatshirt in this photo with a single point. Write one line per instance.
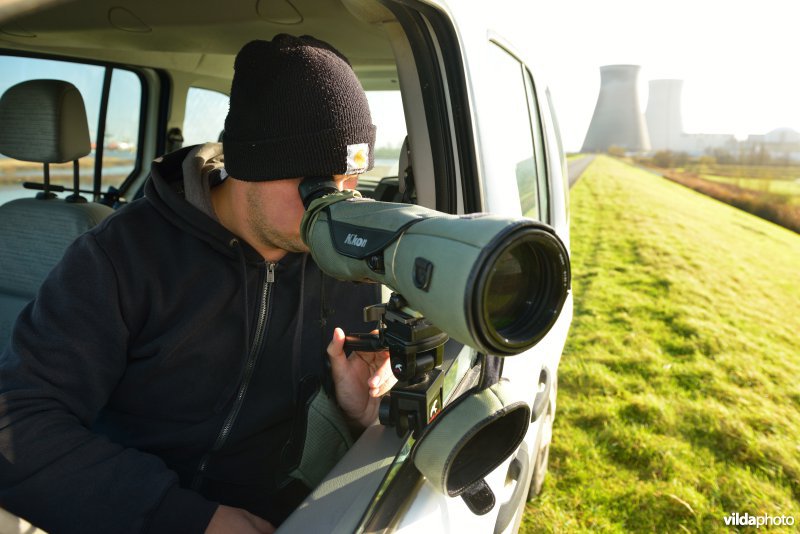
(165, 367)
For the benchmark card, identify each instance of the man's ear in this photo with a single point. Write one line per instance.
(351, 182)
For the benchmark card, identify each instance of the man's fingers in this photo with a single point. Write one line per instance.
(382, 384)
(336, 346)
(383, 379)
(377, 364)
(228, 519)
(383, 389)
(262, 525)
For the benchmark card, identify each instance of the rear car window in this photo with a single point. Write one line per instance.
(386, 108)
(121, 124)
(204, 116)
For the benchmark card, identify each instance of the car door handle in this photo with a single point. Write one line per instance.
(542, 394)
(518, 471)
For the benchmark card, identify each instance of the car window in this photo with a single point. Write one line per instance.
(538, 144)
(511, 122)
(204, 117)
(122, 127)
(120, 123)
(386, 108)
(552, 117)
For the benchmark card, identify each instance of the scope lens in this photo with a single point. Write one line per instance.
(512, 289)
(521, 290)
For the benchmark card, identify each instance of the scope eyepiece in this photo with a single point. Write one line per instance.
(314, 187)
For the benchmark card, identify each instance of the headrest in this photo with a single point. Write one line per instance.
(43, 121)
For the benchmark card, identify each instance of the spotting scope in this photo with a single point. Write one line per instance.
(494, 283)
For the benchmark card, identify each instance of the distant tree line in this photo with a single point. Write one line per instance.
(755, 154)
(387, 151)
(776, 208)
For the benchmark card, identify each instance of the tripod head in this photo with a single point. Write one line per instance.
(415, 349)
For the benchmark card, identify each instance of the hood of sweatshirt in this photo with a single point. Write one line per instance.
(190, 170)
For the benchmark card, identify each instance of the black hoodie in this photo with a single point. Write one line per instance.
(163, 368)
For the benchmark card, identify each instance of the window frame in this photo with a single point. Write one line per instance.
(557, 160)
(434, 44)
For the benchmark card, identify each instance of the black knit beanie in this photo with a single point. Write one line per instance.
(296, 109)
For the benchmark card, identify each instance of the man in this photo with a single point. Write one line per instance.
(161, 380)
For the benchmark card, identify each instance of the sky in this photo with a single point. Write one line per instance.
(737, 59)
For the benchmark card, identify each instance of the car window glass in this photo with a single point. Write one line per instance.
(386, 108)
(204, 117)
(89, 81)
(538, 143)
(122, 128)
(122, 123)
(511, 124)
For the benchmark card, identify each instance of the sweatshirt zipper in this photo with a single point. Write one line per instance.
(252, 358)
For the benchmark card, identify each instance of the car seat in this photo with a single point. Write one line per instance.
(42, 121)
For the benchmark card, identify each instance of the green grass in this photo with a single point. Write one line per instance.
(679, 390)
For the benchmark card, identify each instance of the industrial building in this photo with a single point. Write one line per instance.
(618, 121)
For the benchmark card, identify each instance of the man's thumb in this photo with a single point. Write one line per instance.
(336, 346)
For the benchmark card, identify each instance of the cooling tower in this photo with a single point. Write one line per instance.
(617, 118)
(664, 121)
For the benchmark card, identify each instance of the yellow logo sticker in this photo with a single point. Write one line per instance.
(357, 158)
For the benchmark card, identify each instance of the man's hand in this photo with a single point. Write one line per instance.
(229, 520)
(360, 380)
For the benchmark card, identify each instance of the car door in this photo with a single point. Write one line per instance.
(458, 129)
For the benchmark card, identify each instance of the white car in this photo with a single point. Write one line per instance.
(464, 126)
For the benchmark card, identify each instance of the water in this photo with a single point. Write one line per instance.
(61, 174)
(122, 163)
(32, 174)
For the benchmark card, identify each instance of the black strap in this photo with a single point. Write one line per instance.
(479, 497)
(491, 369)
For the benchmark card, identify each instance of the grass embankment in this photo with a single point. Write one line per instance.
(771, 192)
(679, 399)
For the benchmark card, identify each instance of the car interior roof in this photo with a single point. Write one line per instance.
(196, 43)
(200, 38)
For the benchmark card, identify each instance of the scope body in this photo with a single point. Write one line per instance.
(491, 282)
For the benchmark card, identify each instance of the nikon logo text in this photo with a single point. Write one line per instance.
(354, 240)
